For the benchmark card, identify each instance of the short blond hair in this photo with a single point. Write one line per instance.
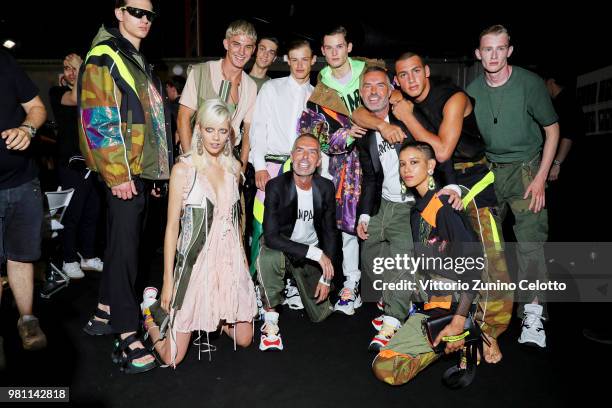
(496, 29)
(241, 27)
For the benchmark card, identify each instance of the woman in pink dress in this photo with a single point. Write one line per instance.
(206, 281)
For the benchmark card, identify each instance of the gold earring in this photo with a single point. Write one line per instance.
(226, 149)
(431, 183)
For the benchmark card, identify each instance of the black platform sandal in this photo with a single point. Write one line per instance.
(125, 356)
(95, 327)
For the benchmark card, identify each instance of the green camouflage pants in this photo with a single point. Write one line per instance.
(530, 229)
(390, 235)
(406, 355)
(494, 307)
(272, 266)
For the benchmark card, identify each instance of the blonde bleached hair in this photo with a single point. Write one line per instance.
(496, 29)
(213, 113)
(241, 27)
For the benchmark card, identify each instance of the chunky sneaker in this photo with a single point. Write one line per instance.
(377, 322)
(32, 337)
(92, 264)
(149, 296)
(270, 337)
(533, 333)
(380, 305)
(73, 270)
(389, 327)
(292, 297)
(348, 302)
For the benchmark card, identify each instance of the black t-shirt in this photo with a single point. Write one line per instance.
(430, 113)
(16, 167)
(470, 146)
(67, 121)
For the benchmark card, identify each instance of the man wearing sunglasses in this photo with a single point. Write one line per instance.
(125, 136)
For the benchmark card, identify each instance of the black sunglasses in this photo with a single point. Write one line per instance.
(138, 13)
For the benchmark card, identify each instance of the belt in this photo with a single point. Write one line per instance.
(467, 165)
(502, 165)
(277, 158)
(516, 163)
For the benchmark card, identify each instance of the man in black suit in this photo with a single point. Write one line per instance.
(300, 237)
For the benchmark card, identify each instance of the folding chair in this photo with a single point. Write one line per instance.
(56, 279)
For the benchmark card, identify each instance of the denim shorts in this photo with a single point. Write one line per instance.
(21, 217)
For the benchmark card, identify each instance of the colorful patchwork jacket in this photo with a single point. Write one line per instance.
(328, 118)
(124, 128)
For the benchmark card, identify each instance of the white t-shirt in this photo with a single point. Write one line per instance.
(304, 231)
(278, 108)
(391, 188)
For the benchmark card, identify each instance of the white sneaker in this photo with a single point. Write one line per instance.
(533, 330)
(292, 297)
(73, 270)
(92, 264)
(149, 296)
(348, 302)
(377, 322)
(389, 327)
(270, 337)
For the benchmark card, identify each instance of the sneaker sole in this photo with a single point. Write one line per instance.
(270, 348)
(531, 344)
(91, 269)
(346, 312)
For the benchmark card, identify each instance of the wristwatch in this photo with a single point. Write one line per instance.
(31, 129)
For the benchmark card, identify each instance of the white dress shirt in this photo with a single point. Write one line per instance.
(279, 105)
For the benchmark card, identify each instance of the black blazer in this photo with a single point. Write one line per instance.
(281, 210)
(373, 174)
